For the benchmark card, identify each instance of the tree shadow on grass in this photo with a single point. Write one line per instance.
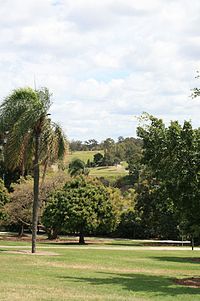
(179, 259)
(116, 244)
(63, 243)
(138, 283)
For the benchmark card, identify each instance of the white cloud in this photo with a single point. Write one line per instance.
(105, 61)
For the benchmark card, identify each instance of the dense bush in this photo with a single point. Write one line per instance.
(81, 207)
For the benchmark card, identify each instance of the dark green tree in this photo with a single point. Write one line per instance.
(77, 167)
(172, 154)
(98, 159)
(80, 207)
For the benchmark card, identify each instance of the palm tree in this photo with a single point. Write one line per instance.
(31, 134)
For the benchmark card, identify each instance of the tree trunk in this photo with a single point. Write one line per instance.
(81, 238)
(192, 243)
(52, 234)
(21, 230)
(35, 192)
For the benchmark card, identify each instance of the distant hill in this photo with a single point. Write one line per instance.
(82, 155)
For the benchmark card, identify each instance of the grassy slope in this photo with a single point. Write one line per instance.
(110, 172)
(83, 155)
(86, 274)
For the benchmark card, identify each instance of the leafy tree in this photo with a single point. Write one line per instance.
(108, 144)
(172, 154)
(81, 206)
(77, 167)
(19, 210)
(24, 116)
(98, 159)
(129, 226)
(157, 213)
(75, 145)
(91, 144)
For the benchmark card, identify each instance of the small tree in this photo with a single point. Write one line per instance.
(77, 167)
(98, 159)
(19, 210)
(79, 207)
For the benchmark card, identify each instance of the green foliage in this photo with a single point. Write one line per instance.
(19, 209)
(98, 159)
(130, 225)
(4, 199)
(23, 113)
(81, 206)
(156, 210)
(77, 167)
(172, 155)
(82, 155)
(30, 133)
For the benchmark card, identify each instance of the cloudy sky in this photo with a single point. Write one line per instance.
(105, 61)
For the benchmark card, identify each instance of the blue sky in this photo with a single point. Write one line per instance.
(105, 61)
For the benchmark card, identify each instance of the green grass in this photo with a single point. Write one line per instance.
(93, 273)
(108, 172)
(82, 155)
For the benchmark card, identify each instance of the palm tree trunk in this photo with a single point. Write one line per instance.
(35, 192)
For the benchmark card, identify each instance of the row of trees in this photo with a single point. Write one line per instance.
(80, 205)
(165, 198)
(163, 164)
(125, 149)
(162, 200)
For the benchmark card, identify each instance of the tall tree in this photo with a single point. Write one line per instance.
(30, 134)
(172, 154)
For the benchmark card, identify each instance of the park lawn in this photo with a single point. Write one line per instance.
(82, 155)
(109, 172)
(85, 273)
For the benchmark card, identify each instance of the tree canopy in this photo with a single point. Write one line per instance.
(81, 206)
(172, 154)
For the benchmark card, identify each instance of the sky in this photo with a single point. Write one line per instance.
(105, 61)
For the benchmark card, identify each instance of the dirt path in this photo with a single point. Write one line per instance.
(118, 248)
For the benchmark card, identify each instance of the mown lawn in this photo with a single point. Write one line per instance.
(82, 155)
(92, 272)
(109, 172)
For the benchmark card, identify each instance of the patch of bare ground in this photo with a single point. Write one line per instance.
(195, 259)
(28, 252)
(96, 267)
(191, 282)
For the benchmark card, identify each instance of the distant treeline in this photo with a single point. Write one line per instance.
(124, 149)
(93, 145)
